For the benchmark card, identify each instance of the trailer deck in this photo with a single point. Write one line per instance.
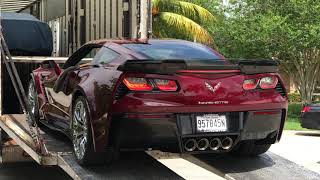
(60, 154)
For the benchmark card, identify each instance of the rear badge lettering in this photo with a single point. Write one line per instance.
(213, 102)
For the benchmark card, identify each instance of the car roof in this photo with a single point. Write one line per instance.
(121, 41)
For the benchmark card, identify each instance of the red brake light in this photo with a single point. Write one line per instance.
(166, 85)
(137, 84)
(305, 109)
(269, 82)
(250, 84)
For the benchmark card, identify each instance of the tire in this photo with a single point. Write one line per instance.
(82, 136)
(33, 101)
(249, 148)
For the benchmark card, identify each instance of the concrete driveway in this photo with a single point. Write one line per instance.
(301, 147)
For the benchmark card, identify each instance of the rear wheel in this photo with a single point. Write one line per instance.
(82, 136)
(249, 148)
(33, 101)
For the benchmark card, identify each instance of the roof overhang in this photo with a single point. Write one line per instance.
(14, 5)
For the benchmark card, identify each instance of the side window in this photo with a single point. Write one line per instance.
(105, 55)
(92, 53)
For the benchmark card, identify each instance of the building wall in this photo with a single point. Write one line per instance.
(75, 22)
(52, 9)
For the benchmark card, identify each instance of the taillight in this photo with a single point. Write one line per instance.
(250, 84)
(269, 82)
(166, 85)
(144, 84)
(305, 109)
(137, 84)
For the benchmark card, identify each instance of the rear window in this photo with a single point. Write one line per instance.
(172, 50)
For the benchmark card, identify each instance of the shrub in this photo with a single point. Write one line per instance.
(294, 110)
(294, 98)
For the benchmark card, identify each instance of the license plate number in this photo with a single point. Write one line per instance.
(211, 123)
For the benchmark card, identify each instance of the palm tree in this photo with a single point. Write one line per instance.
(180, 19)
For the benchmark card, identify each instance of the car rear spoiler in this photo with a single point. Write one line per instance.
(174, 66)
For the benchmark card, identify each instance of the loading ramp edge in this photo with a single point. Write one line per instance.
(56, 158)
(11, 128)
(67, 168)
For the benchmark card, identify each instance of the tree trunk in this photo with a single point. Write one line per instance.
(304, 68)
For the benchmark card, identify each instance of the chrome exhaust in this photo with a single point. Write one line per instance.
(203, 144)
(215, 144)
(190, 145)
(226, 143)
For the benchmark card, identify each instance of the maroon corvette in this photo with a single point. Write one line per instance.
(170, 95)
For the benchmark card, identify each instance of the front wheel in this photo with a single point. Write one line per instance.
(33, 101)
(249, 148)
(82, 135)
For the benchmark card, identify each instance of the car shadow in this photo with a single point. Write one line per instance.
(131, 165)
(31, 171)
(56, 140)
(313, 134)
(231, 164)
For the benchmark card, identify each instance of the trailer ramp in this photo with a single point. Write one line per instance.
(268, 166)
(132, 165)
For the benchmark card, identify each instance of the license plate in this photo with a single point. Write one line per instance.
(212, 123)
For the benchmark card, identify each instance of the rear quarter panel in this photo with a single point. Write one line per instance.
(96, 85)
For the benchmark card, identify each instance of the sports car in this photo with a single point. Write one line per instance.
(310, 116)
(169, 95)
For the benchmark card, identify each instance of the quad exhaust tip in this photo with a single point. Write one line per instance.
(215, 144)
(203, 144)
(226, 143)
(190, 145)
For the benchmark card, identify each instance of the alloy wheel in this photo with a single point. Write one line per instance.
(80, 129)
(32, 98)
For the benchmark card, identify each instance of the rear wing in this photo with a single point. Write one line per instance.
(174, 66)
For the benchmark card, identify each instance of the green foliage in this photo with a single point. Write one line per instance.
(293, 124)
(294, 110)
(293, 118)
(288, 31)
(182, 20)
(294, 98)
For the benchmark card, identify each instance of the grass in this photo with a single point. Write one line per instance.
(293, 124)
(293, 119)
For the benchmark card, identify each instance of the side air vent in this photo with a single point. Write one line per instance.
(121, 91)
(280, 89)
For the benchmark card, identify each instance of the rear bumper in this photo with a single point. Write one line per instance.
(310, 120)
(168, 131)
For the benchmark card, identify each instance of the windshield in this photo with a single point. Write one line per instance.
(172, 50)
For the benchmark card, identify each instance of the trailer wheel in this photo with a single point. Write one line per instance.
(33, 100)
(82, 136)
(249, 148)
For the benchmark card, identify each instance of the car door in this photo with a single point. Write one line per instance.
(58, 109)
